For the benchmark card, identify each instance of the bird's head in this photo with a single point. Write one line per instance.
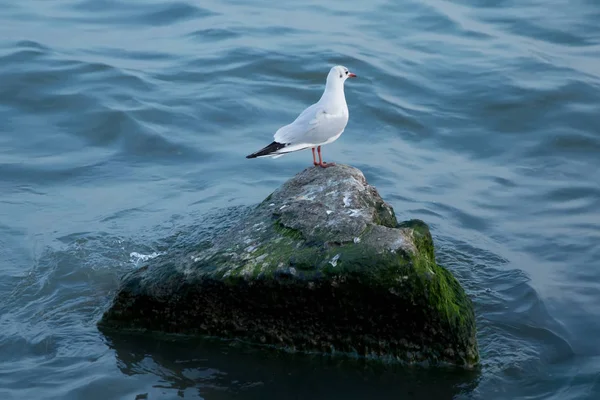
(339, 73)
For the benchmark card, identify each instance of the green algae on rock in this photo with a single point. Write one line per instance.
(322, 266)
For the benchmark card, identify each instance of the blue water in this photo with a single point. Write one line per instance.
(124, 124)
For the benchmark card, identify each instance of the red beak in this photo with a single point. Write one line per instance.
(351, 75)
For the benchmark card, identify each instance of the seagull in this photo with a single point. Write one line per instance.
(318, 125)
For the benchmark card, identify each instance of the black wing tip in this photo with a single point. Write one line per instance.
(271, 148)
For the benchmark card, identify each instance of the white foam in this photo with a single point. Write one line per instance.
(137, 258)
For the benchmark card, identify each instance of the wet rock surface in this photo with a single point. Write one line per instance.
(321, 265)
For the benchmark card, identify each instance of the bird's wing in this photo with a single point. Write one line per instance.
(313, 126)
(296, 131)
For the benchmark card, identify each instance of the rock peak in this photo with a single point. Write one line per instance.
(334, 204)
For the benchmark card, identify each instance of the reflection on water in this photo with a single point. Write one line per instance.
(214, 369)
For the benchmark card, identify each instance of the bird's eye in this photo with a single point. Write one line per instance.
(346, 72)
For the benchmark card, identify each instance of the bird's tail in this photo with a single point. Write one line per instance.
(268, 150)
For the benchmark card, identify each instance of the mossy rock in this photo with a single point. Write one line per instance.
(322, 266)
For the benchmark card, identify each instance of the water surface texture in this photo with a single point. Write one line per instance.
(124, 126)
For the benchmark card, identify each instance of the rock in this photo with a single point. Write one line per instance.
(321, 265)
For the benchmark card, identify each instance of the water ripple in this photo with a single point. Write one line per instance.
(155, 14)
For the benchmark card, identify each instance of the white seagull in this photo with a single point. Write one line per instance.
(319, 124)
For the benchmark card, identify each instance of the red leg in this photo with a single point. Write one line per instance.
(314, 158)
(321, 163)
